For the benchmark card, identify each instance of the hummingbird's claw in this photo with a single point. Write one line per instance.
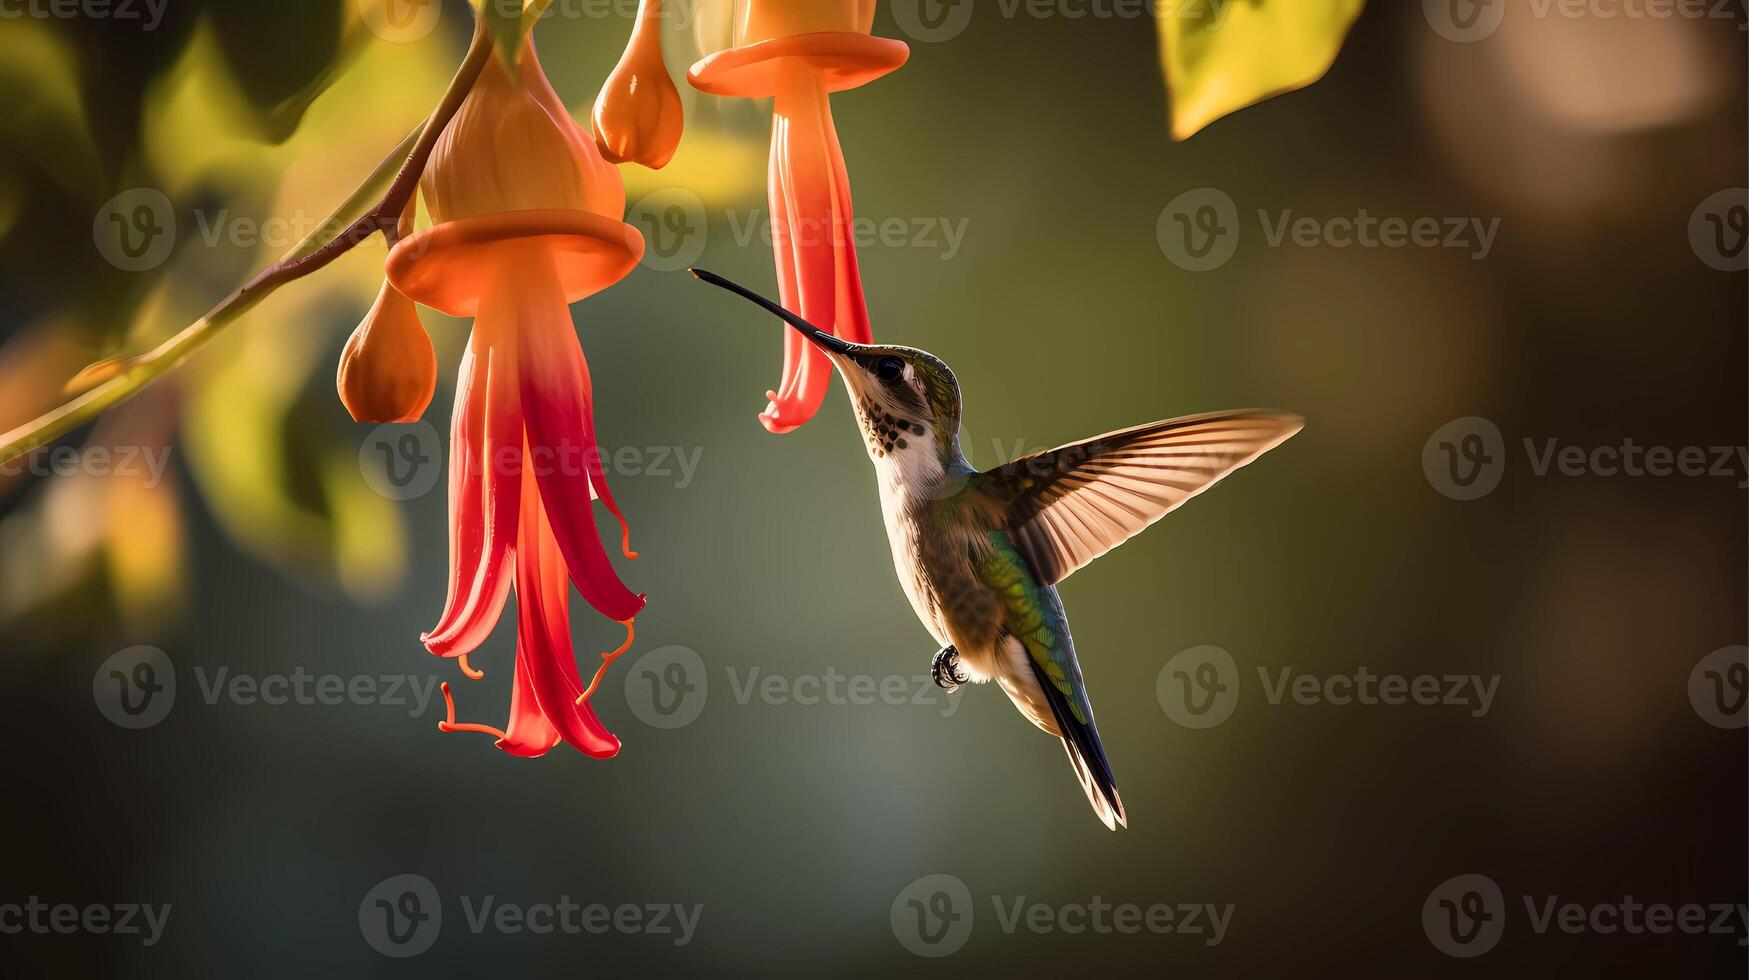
(946, 669)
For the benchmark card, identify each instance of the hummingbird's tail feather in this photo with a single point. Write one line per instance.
(1101, 792)
(1086, 754)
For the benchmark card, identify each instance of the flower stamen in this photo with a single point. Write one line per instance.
(449, 724)
(607, 660)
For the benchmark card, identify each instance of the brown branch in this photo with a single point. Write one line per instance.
(385, 216)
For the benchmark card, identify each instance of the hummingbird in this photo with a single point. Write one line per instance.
(979, 554)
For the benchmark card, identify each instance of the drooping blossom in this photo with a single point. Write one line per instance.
(388, 370)
(526, 219)
(798, 52)
(638, 117)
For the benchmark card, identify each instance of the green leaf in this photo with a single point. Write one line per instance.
(1223, 55)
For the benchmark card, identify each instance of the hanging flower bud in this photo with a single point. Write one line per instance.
(638, 115)
(388, 370)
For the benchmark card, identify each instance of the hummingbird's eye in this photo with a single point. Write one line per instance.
(889, 369)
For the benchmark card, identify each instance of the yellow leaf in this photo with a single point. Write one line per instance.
(1223, 55)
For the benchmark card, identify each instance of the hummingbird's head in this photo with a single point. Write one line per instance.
(907, 400)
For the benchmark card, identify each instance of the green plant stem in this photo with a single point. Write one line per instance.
(401, 170)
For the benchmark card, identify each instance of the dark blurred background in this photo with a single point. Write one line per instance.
(1024, 170)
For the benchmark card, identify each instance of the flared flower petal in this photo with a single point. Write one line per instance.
(543, 649)
(567, 460)
(489, 460)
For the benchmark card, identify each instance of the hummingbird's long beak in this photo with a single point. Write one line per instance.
(819, 338)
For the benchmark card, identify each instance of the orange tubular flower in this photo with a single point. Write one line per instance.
(797, 52)
(526, 220)
(637, 115)
(388, 370)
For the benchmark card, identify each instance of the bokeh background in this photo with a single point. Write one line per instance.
(1596, 315)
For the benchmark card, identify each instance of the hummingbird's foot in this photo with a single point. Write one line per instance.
(946, 669)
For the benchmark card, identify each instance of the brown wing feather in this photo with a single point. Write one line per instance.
(1074, 503)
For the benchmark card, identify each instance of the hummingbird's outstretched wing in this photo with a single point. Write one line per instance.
(1074, 503)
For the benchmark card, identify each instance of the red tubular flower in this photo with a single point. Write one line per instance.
(526, 220)
(797, 52)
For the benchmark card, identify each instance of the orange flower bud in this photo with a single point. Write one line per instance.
(388, 370)
(638, 115)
